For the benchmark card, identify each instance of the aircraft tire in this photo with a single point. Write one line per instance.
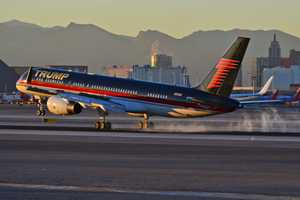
(103, 125)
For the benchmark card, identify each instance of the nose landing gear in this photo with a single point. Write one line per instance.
(41, 107)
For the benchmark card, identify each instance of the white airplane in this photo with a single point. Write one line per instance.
(250, 96)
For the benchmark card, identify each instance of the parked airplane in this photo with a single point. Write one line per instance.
(66, 93)
(283, 99)
(249, 96)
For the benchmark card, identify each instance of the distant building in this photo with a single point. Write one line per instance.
(274, 53)
(274, 60)
(121, 71)
(283, 77)
(294, 57)
(161, 70)
(161, 60)
(167, 75)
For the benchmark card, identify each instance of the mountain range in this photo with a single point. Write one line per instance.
(30, 44)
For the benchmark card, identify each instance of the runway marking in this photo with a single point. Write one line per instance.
(161, 193)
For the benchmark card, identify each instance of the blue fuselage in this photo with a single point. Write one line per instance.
(135, 96)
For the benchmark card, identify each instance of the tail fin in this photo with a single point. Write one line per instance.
(266, 87)
(274, 94)
(297, 95)
(221, 78)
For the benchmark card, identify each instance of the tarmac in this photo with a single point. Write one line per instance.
(68, 159)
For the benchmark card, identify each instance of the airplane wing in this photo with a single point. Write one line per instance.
(84, 100)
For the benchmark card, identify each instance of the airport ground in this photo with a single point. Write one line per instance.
(179, 159)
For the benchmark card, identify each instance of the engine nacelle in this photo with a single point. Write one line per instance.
(60, 106)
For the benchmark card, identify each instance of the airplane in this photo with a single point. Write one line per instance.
(249, 96)
(289, 100)
(67, 93)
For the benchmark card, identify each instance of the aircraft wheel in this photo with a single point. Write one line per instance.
(142, 125)
(38, 113)
(99, 125)
(43, 113)
(103, 125)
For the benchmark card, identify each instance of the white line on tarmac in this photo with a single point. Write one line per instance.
(154, 135)
(142, 192)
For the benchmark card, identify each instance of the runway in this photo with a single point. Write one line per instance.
(250, 120)
(79, 163)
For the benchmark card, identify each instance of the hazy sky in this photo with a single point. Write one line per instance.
(175, 17)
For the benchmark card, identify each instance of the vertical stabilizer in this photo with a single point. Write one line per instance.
(221, 78)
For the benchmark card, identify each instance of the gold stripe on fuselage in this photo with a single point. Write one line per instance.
(22, 87)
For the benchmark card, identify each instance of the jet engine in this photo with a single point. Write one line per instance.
(61, 106)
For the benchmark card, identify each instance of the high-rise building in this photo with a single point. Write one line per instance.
(161, 60)
(274, 53)
(264, 66)
(161, 71)
(273, 60)
(168, 75)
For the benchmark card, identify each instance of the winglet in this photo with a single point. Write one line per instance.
(266, 87)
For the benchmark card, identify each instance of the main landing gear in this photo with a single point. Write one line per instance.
(41, 105)
(145, 123)
(101, 123)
